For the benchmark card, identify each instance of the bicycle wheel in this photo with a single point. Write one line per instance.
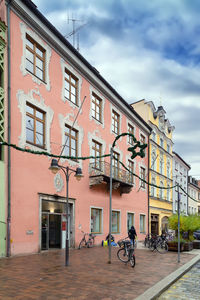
(90, 243)
(132, 261)
(82, 242)
(122, 255)
(132, 258)
(162, 247)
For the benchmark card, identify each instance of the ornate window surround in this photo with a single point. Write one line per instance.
(66, 120)
(93, 90)
(65, 66)
(26, 31)
(22, 100)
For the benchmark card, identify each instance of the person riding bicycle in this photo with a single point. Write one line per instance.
(132, 234)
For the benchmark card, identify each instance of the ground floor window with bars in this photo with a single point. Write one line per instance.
(96, 220)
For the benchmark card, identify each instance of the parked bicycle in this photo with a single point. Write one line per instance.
(87, 242)
(126, 251)
(156, 242)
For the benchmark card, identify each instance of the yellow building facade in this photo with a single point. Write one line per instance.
(160, 164)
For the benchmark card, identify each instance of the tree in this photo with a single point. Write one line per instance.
(188, 224)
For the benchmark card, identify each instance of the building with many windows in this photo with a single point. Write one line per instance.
(3, 207)
(180, 177)
(60, 104)
(160, 164)
(193, 199)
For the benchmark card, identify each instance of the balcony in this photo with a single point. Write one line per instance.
(99, 173)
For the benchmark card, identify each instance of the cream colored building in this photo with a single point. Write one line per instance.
(160, 164)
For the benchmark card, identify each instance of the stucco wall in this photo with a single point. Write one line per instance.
(30, 174)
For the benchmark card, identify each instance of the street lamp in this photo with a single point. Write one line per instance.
(55, 167)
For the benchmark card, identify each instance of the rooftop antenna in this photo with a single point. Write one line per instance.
(74, 31)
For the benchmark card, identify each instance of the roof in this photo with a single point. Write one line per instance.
(35, 11)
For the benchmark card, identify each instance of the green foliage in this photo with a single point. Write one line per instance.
(188, 224)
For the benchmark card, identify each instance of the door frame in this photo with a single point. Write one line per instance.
(56, 198)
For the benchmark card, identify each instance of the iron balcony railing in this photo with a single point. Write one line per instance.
(102, 168)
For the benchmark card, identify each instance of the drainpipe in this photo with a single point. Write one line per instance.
(9, 134)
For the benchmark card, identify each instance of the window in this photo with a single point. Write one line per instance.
(168, 193)
(130, 130)
(168, 169)
(168, 148)
(115, 162)
(115, 122)
(153, 160)
(71, 87)
(131, 169)
(142, 223)
(153, 181)
(35, 126)
(35, 58)
(130, 220)
(161, 163)
(161, 190)
(142, 139)
(142, 176)
(161, 142)
(71, 141)
(115, 221)
(96, 219)
(176, 166)
(96, 151)
(153, 136)
(96, 108)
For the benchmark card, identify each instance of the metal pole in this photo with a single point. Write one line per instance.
(110, 214)
(67, 215)
(178, 225)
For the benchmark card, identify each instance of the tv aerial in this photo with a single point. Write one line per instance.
(75, 32)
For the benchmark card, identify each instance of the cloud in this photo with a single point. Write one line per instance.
(144, 49)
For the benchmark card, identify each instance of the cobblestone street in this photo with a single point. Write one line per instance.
(187, 287)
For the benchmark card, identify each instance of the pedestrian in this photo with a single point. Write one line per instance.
(132, 234)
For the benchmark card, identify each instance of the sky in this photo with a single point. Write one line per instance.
(146, 50)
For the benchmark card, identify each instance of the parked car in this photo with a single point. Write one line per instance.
(196, 234)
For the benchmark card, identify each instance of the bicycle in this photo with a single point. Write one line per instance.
(154, 242)
(126, 252)
(87, 243)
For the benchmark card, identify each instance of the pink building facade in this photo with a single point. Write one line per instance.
(49, 81)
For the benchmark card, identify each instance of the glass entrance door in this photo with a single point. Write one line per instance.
(54, 231)
(45, 231)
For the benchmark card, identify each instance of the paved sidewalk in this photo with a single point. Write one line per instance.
(89, 276)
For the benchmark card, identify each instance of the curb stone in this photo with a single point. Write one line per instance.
(156, 290)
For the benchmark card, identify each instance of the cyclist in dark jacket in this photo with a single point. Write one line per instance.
(132, 234)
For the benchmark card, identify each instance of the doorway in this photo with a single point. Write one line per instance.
(51, 231)
(154, 224)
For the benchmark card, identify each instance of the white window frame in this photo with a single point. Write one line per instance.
(144, 223)
(65, 66)
(29, 98)
(101, 221)
(26, 31)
